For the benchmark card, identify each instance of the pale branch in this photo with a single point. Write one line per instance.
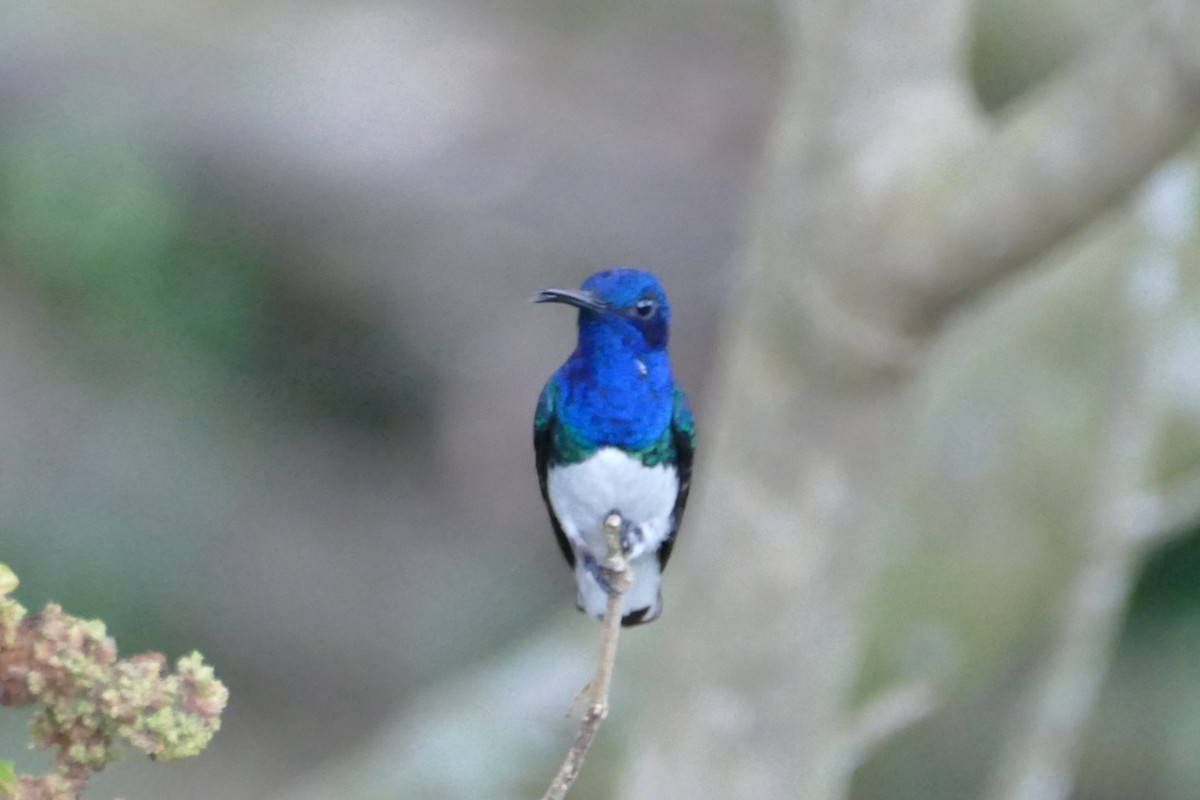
(888, 714)
(1039, 763)
(1070, 152)
(596, 692)
(1040, 760)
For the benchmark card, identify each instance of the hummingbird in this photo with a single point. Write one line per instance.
(613, 433)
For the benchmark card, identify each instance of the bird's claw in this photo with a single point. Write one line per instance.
(631, 537)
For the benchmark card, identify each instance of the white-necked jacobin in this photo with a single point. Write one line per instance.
(614, 433)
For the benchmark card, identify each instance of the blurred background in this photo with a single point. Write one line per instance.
(267, 368)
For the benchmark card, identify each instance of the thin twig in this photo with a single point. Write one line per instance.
(597, 689)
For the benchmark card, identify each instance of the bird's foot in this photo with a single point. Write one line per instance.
(632, 540)
(607, 577)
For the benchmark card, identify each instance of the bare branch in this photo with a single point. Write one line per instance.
(890, 713)
(597, 689)
(1040, 760)
(1073, 151)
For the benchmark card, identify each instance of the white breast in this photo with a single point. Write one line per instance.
(583, 494)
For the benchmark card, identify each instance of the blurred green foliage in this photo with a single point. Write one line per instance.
(1169, 589)
(130, 253)
(179, 330)
(96, 225)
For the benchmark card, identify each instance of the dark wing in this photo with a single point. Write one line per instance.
(683, 437)
(544, 422)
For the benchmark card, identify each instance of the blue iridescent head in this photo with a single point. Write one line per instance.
(625, 305)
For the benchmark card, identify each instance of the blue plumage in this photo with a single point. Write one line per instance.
(613, 432)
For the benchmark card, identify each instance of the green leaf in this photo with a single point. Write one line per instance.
(8, 777)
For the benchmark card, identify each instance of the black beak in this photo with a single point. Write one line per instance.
(580, 298)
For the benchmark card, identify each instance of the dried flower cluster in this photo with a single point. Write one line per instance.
(93, 703)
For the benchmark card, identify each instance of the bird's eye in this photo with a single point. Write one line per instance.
(645, 308)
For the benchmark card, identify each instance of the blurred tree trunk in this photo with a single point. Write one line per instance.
(931, 456)
(889, 205)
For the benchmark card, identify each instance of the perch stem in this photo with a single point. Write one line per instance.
(597, 689)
